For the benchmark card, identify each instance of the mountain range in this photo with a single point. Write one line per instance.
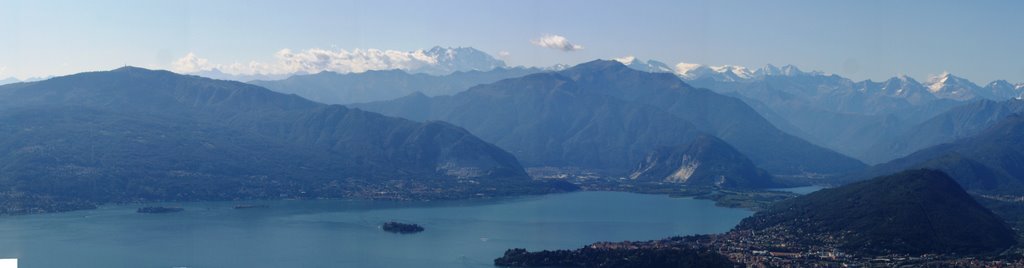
(853, 118)
(944, 85)
(625, 117)
(835, 112)
(858, 119)
(138, 135)
(731, 73)
(604, 115)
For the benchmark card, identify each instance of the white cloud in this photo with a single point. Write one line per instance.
(556, 42)
(191, 63)
(316, 60)
(358, 60)
(503, 54)
(3, 69)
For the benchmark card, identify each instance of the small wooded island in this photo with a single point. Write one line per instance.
(401, 228)
(157, 210)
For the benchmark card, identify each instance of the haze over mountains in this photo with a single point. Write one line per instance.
(956, 123)
(12, 80)
(336, 88)
(991, 161)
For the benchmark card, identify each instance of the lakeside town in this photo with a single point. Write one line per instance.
(776, 249)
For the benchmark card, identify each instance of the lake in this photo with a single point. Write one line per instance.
(341, 233)
(802, 190)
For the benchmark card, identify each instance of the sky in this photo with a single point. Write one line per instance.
(978, 40)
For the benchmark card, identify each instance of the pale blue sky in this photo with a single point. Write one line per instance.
(859, 39)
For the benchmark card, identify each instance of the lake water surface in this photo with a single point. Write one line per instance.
(802, 190)
(339, 233)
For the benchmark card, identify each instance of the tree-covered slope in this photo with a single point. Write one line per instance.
(911, 212)
(138, 135)
(547, 120)
(725, 117)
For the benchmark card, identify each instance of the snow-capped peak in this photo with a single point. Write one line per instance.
(557, 67)
(905, 87)
(791, 70)
(683, 67)
(448, 60)
(627, 60)
(738, 71)
(947, 81)
(936, 82)
(652, 66)
(692, 71)
(949, 86)
(944, 85)
(767, 70)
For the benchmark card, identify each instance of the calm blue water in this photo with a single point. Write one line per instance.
(800, 190)
(337, 233)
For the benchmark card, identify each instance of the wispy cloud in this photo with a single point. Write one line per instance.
(556, 42)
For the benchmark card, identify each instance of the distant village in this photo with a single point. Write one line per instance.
(770, 249)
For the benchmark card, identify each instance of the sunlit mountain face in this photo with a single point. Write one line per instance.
(511, 134)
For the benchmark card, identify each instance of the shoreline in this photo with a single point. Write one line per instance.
(721, 198)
